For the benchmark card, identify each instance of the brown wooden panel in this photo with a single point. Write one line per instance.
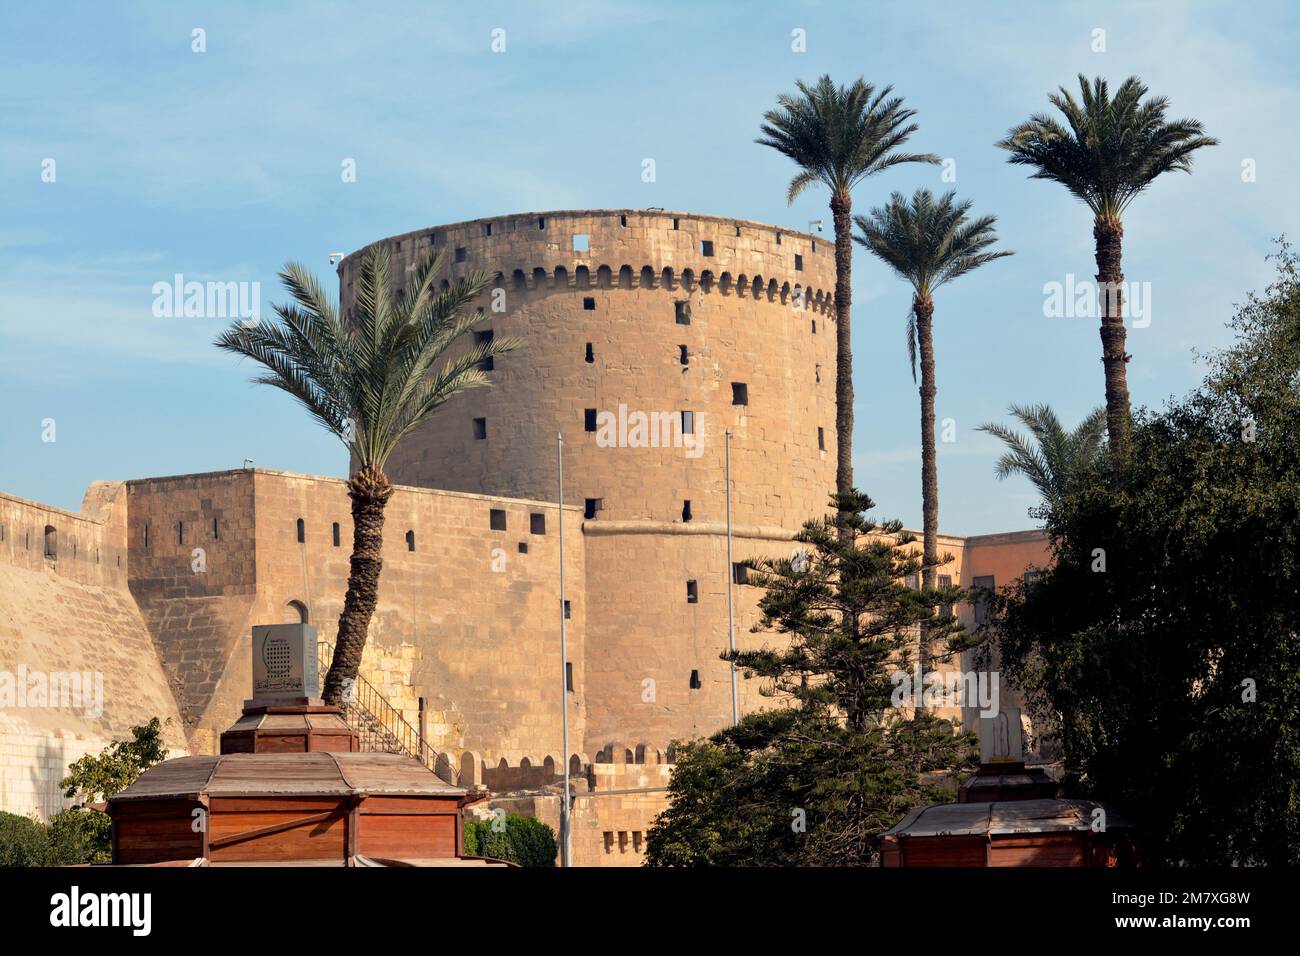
(156, 840)
(421, 804)
(405, 836)
(317, 840)
(944, 851)
(1038, 850)
(271, 804)
(278, 743)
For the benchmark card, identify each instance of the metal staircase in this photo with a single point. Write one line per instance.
(379, 726)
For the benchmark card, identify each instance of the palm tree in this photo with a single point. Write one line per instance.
(1113, 149)
(370, 379)
(928, 242)
(838, 136)
(1049, 456)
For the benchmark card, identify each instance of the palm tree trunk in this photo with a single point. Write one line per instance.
(841, 214)
(929, 466)
(1108, 234)
(369, 490)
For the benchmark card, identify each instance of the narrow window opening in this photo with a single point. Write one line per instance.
(695, 680)
(686, 510)
(818, 373)
(688, 423)
(692, 592)
(302, 531)
(523, 547)
(778, 238)
(706, 247)
(461, 254)
(622, 220)
(485, 338)
(677, 223)
(568, 667)
(568, 610)
(684, 354)
(410, 540)
(739, 393)
(683, 312)
(487, 229)
(52, 543)
(740, 572)
(737, 230)
(821, 438)
(814, 326)
(335, 532)
(480, 428)
(589, 419)
(537, 524)
(497, 519)
(591, 506)
(589, 304)
(541, 222)
(591, 355)
(216, 532)
(798, 263)
(180, 532)
(146, 536)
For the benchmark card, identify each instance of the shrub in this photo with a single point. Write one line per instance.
(23, 842)
(517, 839)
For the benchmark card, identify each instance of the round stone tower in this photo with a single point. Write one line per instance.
(649, 335)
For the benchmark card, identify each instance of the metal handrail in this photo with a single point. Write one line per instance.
(394, 727)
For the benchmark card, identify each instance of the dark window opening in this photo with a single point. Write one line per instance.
(541, 222)
(497, 519)
(688, 423)
(622, 220)
(146, 535)
(52, 541)
(684, 355)
(523, 547)
(695, 680)
(591, 506)
(591, 354)
(686, 510)
(945, 581)
(814, 326)
(682, 312)
(798, 263)
(692, 592)
(739, 393)
(180, 532)
(568, 675)
(487, 229)
(588, 303)
(302, 531)
(677, 223)
(817, 373)
(480, 428)
(983, 587)
(335, 531)
(706, 247)
(740, 572)
(537, 524)
(568, 610)
(410, 541)
(737, 230)
(589, 419)
(485, 338)
(821, 438)
(778, 238)
(216, 533)
(461, 254)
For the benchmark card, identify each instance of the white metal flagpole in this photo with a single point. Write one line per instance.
(566, 844)
(731, 610)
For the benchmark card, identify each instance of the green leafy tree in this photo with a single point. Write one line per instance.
(1051, 458)
(518, 839)
(838, 136)
(371, 378)
(928, 242)
(99, 776)
(1107, 153)
(815, 782)
(1165, 639)
(24, 842)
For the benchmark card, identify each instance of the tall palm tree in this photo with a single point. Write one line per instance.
(838, 136)
(1113, 149)
(1049, 456)
(928, 242)
(370, 378)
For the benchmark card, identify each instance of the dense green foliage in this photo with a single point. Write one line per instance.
(117, 766)
(816, 782)
(517, 839)
(23, 842)
(1165, 642)
(72, 836)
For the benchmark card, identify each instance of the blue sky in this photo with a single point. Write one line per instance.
(223, 165)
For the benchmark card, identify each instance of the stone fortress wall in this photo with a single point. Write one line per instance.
(170, 574)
